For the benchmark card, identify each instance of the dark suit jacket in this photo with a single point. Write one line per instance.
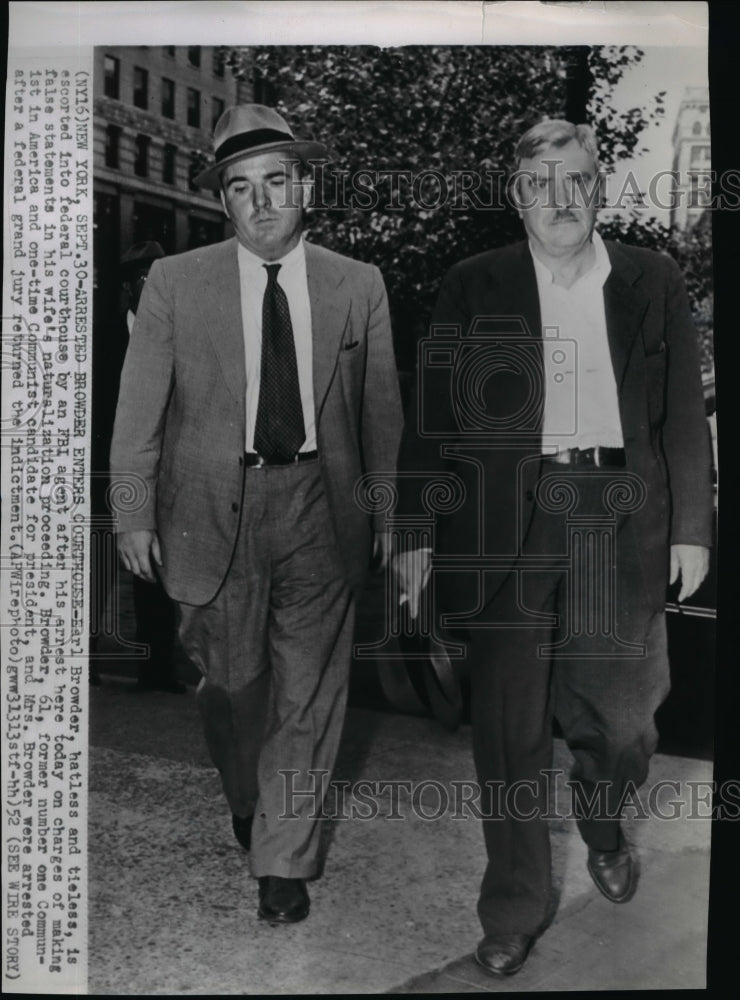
(180, 427)
(654, 352)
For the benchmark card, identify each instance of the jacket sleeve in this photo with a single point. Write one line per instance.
(382, 417)
(146, 384)
(686, 441)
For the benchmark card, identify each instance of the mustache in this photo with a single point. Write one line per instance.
(564, 215)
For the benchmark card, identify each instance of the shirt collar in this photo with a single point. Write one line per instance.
(599, 272)
(293, 259)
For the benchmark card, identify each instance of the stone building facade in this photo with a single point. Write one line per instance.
(691, 158)
(154, 112)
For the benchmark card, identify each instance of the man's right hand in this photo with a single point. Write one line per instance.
(137, 549)
(413, 569)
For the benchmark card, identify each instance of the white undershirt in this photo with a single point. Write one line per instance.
(292, 279)
(581, 404)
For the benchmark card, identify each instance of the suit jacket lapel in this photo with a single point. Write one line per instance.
(513, 289)
(221, 314)
(625, 307)
(330, 304)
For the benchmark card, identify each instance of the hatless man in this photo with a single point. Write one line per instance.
(259, 386)
(579, 435)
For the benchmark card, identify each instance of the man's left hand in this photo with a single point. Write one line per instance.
(692, 562)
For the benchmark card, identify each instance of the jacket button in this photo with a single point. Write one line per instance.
(235, 507)
(241, 460)
(529, 495)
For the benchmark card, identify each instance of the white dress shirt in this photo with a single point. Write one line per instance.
(581, 405)
(292, 279)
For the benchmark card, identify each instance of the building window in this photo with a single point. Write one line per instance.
(219, 61)
(153, 223)
(694, 191)
(193, 107)
(168, 50)
(202, 232)
(112, 146)
(194, 168)
(194, 55)
(696, 130)
(216, 111)
(112, 72)
(168, 163)
(141, 155)
(141, 88)
(168, 98)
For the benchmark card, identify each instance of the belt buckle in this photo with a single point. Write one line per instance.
(260, 463)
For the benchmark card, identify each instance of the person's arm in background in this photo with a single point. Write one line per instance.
(146, 384)
(420, 453)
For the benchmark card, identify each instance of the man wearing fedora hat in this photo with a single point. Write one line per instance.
(260, 384)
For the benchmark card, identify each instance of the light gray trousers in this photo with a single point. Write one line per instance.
(274, 648)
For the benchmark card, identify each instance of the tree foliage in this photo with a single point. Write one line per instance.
(618, 131)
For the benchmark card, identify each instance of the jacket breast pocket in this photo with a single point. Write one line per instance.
(351, 354)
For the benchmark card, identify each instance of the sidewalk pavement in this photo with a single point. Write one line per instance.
(172, 906)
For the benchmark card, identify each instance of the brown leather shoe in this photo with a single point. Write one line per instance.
(242, 827)
(503, 954)
(614, 872)
(282, 900)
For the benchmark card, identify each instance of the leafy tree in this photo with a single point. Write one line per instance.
(618, 132)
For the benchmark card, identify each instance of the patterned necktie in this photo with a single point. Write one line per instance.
(279, 430)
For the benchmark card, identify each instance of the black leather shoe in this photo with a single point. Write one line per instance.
(282, 900)
(242, 826)
(503, 954)
(614, 872)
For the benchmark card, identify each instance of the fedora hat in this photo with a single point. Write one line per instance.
(250, 129)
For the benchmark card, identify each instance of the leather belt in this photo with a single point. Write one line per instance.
(589, 457)
(254, 461)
